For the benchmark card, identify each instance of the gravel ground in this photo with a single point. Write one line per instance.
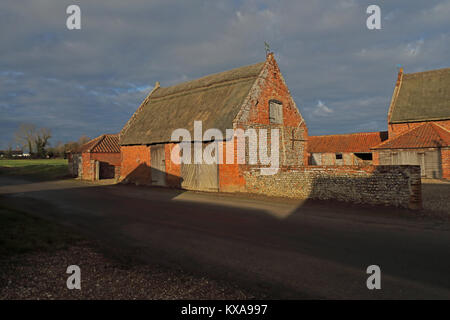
(435, 195)
(42, 275)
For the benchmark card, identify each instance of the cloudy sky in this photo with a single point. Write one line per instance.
(90, 81)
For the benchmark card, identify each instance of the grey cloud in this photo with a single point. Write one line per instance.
(90, 81)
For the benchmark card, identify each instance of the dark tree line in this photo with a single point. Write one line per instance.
(61, 149)
(36, 142)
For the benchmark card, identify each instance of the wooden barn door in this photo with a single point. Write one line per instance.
(201, 177)
(432, 164)
(158, 165)
(208, 177)
(189, 176)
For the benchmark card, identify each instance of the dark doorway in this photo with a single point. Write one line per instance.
(364, 155)
(106, 171)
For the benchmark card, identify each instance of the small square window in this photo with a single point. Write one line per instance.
(275, 112)
(338, 156)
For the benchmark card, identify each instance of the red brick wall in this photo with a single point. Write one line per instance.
(89, 166)
(111, 158)
(274, 88)
(375, 158)
(135, 164)
(230, 175)
(88, 172)
(398, 128)
(445, 163)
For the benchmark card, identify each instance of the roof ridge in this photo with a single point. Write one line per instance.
(348, 134)
(214, 81)
(428, 71)
(438, 127)
(215, 74)
(200, 88)
(101, 137)
(437, 124)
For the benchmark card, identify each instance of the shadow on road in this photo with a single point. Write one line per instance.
(283, 248)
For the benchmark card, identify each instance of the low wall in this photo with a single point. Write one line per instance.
(379, 185)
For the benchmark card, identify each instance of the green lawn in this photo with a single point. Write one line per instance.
(35, 169)
(32, 162)
(21, 233)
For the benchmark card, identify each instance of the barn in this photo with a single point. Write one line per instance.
(425, 145)
(250, 97)
(419, 123)
(352, 149)
(97, 159)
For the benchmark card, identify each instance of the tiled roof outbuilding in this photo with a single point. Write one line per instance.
(353, 142)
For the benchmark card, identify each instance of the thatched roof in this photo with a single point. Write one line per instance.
(215, 100)
(422, 96)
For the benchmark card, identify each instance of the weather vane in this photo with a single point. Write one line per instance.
(267, 47)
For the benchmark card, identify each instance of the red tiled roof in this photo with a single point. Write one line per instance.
(353, 142)
(428, 135)
(88, 145)
(106, 143)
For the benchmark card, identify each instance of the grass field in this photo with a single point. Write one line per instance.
(35, 169)
(20, 232)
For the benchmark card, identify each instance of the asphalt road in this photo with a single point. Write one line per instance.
(271, 247)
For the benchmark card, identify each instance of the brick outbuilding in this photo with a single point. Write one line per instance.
(344, 149)
(250, 97)
(427, 145)
(419, 123)
(97, 159)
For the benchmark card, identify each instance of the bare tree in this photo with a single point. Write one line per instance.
(9, 152)
(83, 139)
(41, 141)
(36, 140)
(26, 136)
